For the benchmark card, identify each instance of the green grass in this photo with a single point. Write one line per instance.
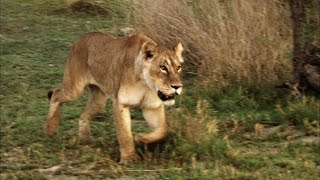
(35, 42)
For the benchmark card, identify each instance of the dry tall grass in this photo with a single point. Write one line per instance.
(247, 41)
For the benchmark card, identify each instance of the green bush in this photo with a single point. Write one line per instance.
(300, 112)
(195, 135)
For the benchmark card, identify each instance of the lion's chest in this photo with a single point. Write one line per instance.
(138, 95)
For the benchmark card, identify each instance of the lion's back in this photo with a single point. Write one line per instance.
(106, 57)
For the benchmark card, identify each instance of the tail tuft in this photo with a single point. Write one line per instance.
(49, 94)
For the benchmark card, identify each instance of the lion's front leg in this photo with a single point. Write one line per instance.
(157, 122)
(124, 134)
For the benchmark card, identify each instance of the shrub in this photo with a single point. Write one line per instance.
(195, 135)
(303, 113)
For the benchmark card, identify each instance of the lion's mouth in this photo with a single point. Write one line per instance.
(164, 97)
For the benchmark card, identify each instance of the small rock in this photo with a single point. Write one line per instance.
(266, 132)
(127, 30)
(51, 170)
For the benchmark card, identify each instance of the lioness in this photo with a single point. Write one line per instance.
(132, 71)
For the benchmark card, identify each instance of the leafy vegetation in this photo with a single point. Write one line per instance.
(234, 132)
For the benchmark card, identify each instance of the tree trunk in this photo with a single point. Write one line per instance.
(306, 56)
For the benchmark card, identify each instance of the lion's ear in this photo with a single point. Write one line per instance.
(149, 49)
(178, 49)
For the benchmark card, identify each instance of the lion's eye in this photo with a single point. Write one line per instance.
(178, 68)
(163, 68)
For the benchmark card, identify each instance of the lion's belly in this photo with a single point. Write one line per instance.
(138, 95)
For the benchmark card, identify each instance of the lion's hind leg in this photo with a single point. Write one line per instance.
(57, 97)
(96, 102)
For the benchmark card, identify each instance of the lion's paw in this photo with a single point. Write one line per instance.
(139, 138)
(128, 159)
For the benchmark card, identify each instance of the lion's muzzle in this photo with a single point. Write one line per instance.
(164, 97)
(177, 89)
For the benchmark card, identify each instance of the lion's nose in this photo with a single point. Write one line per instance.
(176, 86)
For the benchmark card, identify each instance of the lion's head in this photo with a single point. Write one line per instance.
(162, 70)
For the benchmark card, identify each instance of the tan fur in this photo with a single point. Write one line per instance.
(130, 71)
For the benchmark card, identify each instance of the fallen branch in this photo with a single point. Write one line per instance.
(18, 166)
(151, 170)
(104, 172)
